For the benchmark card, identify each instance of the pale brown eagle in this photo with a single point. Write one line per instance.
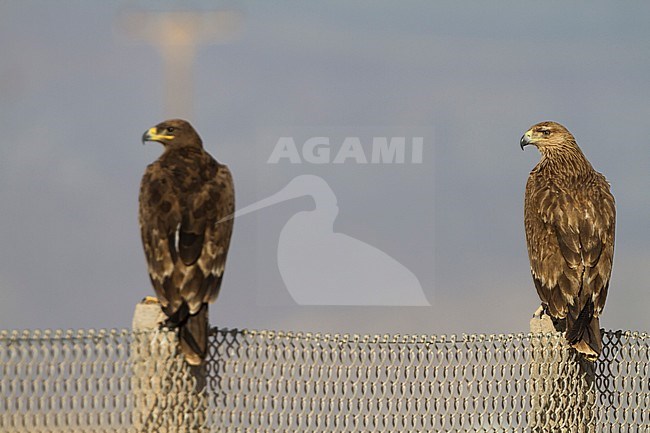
(184, 195)
(569, 215)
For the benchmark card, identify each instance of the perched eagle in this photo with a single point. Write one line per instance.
(569, 215)
(183, 196)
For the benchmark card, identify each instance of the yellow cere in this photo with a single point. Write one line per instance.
(153, 134)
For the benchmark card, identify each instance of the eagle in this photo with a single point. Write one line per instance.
(186, 200)
(569, 217)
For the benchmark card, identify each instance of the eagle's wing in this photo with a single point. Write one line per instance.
(204, 240)
(571, 245)
(549, 269)
(160, 216)
(589, 240)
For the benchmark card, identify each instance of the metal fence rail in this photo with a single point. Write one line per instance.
(264, 381)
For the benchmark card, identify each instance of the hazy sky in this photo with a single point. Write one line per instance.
(77, 92)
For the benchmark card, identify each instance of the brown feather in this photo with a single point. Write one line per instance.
(194, 336)
(569, 217)
(183, 195)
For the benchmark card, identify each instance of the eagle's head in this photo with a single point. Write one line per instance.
(173, 133)
(547, 136)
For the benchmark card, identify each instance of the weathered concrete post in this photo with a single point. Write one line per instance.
(169, 394)
(562, 382)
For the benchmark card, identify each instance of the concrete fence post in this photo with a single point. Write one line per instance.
(169, 395)
(562, 383)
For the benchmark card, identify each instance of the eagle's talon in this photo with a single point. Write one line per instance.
(539, 312)
(150, 300)
(168, 324)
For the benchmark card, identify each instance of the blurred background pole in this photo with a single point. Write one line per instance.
(177, 36)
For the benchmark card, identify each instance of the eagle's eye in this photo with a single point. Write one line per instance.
(170, 129)
(546, 132)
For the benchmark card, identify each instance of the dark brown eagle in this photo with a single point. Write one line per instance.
(184, 195)
(569, 215)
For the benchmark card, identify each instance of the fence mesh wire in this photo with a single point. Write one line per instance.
(263, 381)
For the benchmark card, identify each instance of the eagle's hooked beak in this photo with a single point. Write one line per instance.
(525, 139)
(152, 135)
(147, 136)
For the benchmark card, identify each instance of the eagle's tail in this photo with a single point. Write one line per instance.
(583, 332)
(193, 336)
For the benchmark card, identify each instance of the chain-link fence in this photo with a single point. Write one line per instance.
(263, 381)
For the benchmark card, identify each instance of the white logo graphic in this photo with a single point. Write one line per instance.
(318, 150)
(322, 267)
